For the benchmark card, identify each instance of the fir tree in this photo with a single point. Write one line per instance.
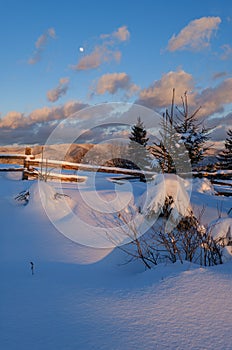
(192, 135)
(164, 149)
(138, 155)
(169, 152)
(225, 157)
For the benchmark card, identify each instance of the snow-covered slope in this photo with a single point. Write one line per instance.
(85, 298)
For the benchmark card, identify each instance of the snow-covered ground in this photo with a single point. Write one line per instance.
(86, 298)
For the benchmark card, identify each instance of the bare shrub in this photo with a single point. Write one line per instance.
(188, 241)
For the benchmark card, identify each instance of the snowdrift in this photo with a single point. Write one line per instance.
(44, 196)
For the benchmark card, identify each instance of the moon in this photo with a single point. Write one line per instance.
(81, 49)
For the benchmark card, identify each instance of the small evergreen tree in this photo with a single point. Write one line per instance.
(169, 151)
(225, 157)
(164, 150)
(138, 155)
(192, 135)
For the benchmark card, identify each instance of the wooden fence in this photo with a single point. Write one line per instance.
(33, 168)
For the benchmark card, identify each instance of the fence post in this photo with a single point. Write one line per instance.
(26, 164)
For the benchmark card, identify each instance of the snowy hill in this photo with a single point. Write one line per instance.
(86, 298)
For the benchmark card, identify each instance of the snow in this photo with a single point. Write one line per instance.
(223, 189)
(89, 166)
(86, 298)
(222, 228)
(8, 167)
(168, 185)
(203, 186)
(58, 206)
(221, 231)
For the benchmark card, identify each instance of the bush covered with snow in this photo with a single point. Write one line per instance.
(167, 193)
(175, 232)
(221, 232)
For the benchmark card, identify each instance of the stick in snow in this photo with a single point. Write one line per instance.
(32, 268)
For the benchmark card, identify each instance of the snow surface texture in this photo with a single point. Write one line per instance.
(84, 298)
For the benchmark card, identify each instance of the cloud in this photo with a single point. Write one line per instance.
(59, 91)
(219, 75)
(14, 120)
(114, 82)
(195, 36)
(212, 99)
(69, 125)
(159, 94)
(121, 34)
(227, 52)
(38, 125)
(105, 52)
(220, 126)
(40, 45)
(96, 58)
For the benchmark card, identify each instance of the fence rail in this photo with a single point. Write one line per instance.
(32, 167)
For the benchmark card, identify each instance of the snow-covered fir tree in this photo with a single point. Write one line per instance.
(138, 155)
(192, 134)
(225, 156)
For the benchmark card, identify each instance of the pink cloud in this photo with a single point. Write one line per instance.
(96, 58)
(122, 34)
(14, 120)
(40, 45)
(211, 100)
(196, 35)
(105, 52)
(59, 91)
(114, 82)
(214, 99)
(159, 94)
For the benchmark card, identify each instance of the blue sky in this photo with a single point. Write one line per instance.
(134, 51)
